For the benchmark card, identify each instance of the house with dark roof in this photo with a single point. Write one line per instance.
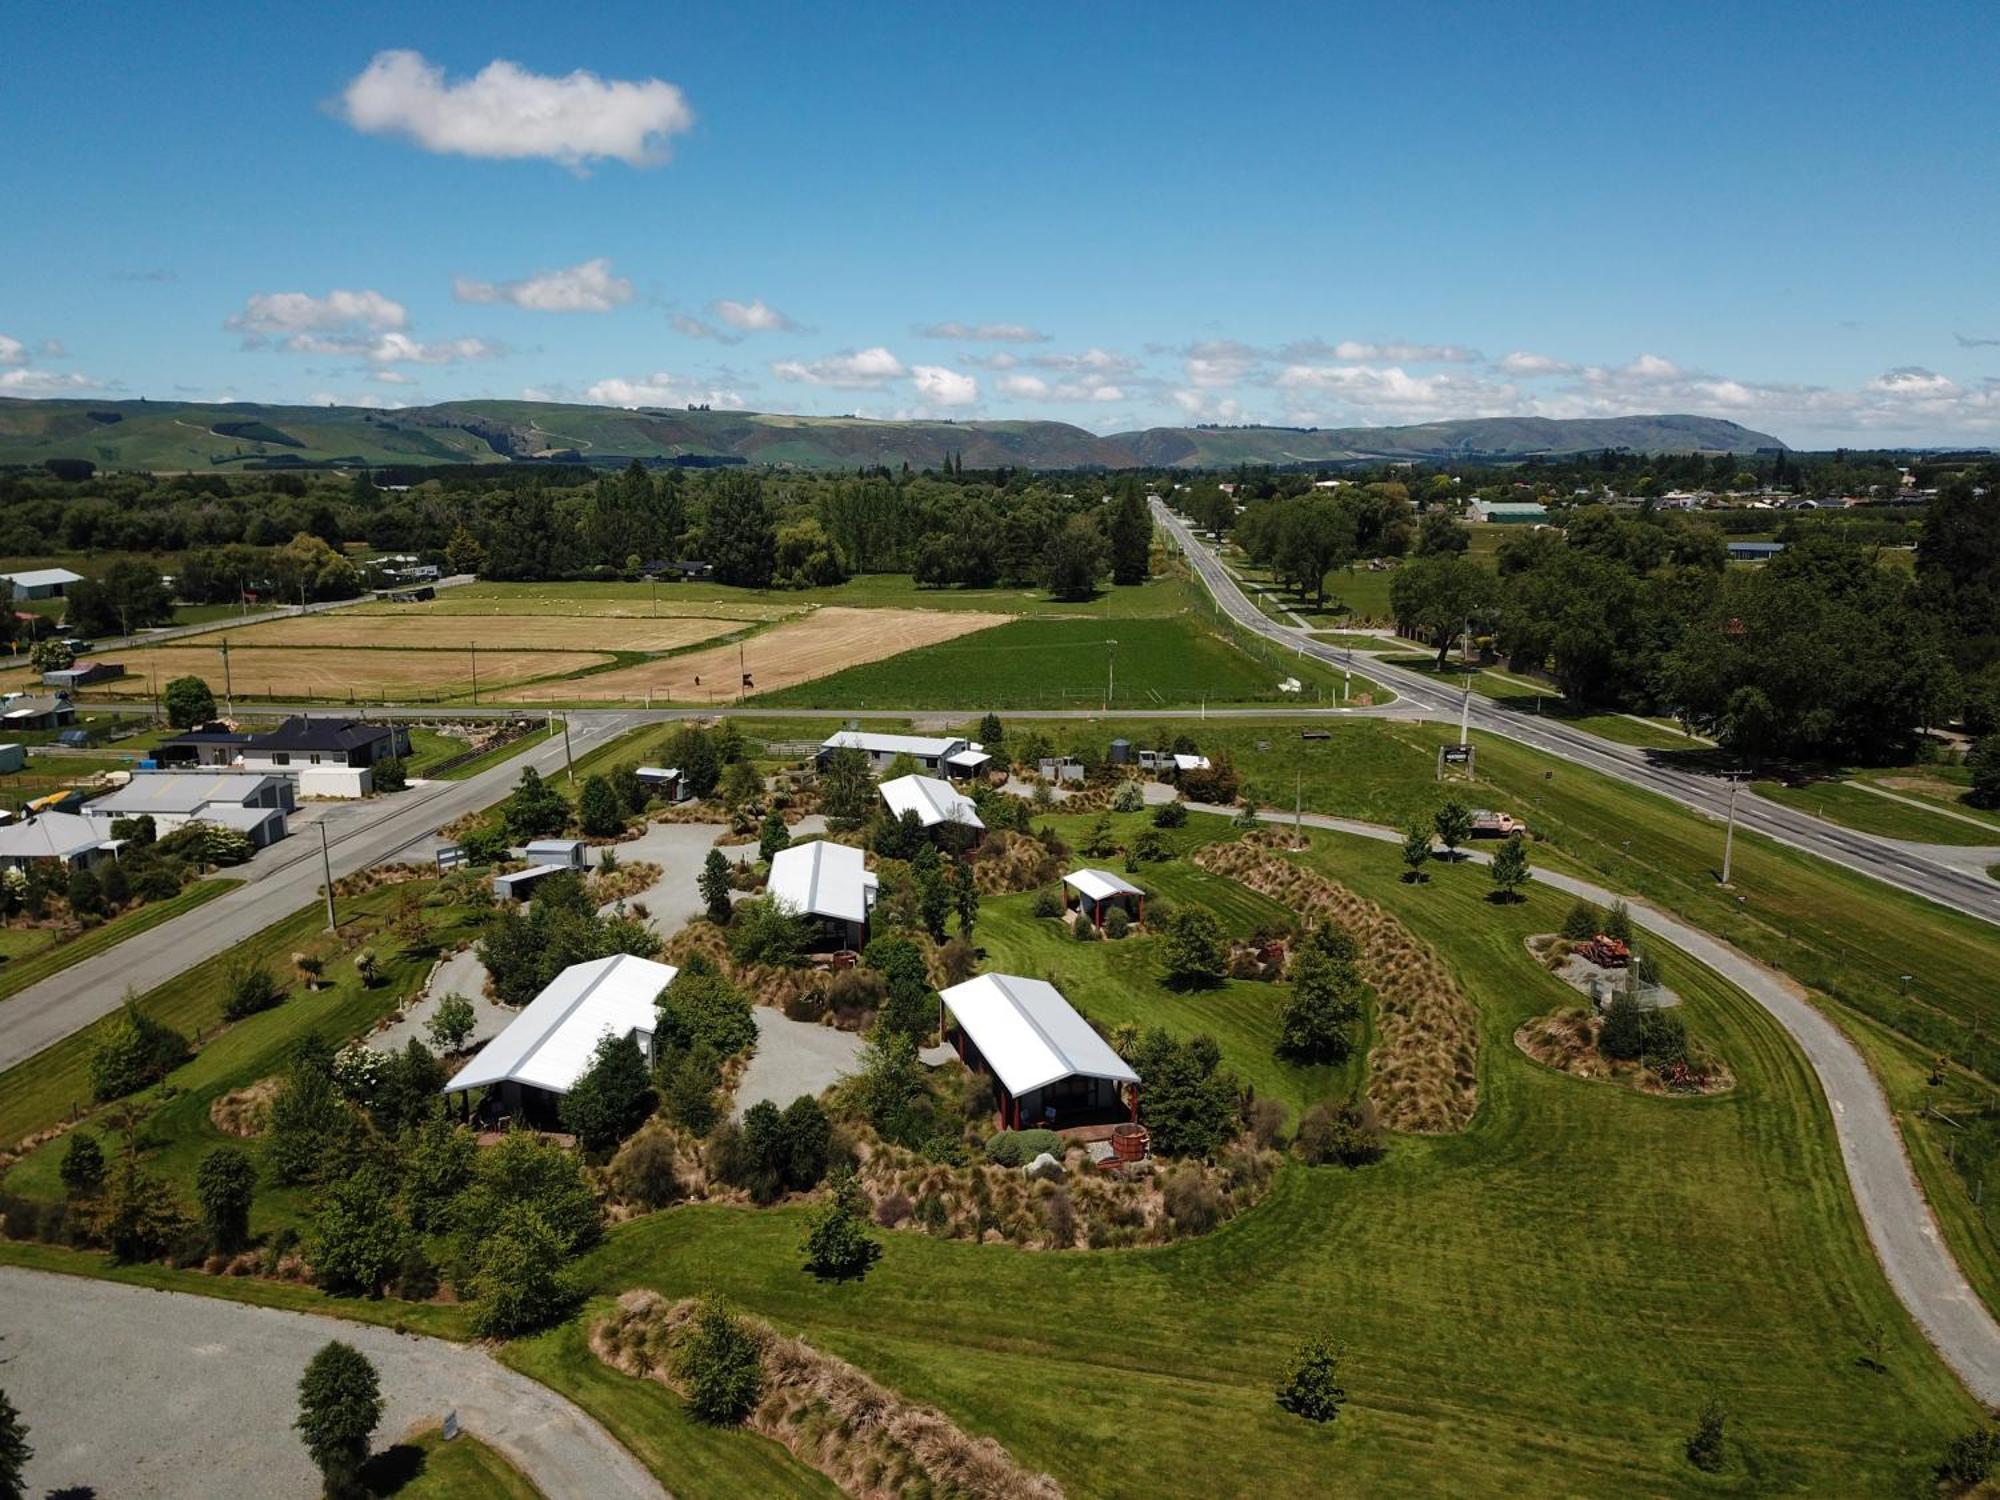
(306, 741)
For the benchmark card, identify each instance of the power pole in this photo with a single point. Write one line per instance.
(228, 693)
(326, 864)
(1465, 713)
(1298, 809)
(568, 760)
(475, 672)
(1729, 836)
(1110, 674)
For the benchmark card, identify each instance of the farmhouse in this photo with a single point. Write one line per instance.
(40, 583)
(1052, 1068)
(251, 803)
(550, 1044)
(35, 711)
(955, 757)
(829, 882)
(936, 803)
(75, 841)
(328, 757)
(1099, 892)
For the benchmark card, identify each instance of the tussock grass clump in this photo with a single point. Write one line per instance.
(871, 1441)
(1424, 1071)
(1008, 862)
(623, 883)
(245, 1112)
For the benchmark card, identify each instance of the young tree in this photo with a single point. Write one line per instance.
(846, 790)
(701, 1008)
(522, 1282)
(611, 1098)
(1185, 1102)
(224, 1185)
(1325, 1001)
(340, 1401)
(535, 809)
(1416, 851)
(1311, 1387)
(136, 1051)
(715, 888)
(1453, 822)
(719, 1364)
(836, 1247)
(935, 897)
(1195, 953)
(1582, 922)
(1704, 1444)
(597, 811)
(687, 1090)
(357, 1239)
(14, 1451)
(452, 1023)
(911, 1005)
(139, 1216)
(1510, 868)
(463, 554)
(188, 702)
(965, 897)
(82, 1165)
(991, 734)
(773, 837)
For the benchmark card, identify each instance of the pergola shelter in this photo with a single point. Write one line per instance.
(1098, 893)
(553, 1041)
(1052, 1068)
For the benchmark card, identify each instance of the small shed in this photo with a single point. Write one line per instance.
(1097, 893)
(12, 757)
(519, 885)
(664, 781)
(567, 854)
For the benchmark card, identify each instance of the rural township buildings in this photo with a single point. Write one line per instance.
(35, 711)
(551, 1043)
(829, 882)
(40, 583)
(936, 803)
(953, 756)
(327, 757)
(1052, 1067)
(253, 804)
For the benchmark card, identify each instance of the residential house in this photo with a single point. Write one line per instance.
(1052, 1067)
(937, 804)
(828, 882)
(252, 803)
(76, 841)
(949, 754)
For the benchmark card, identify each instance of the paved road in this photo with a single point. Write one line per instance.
(201, 1397)
(1907, 1240)
(284, 879)
(1909, 867)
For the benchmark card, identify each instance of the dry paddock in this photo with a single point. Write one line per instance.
(631, 603)
(496, 633)
(826, 640)
(336, 673)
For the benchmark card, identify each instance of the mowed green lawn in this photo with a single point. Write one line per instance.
(1069, 663)
(1541, 1305)
(1853, 806)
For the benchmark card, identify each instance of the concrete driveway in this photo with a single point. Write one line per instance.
(200, 1398)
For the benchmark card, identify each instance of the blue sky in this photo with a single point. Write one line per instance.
(1114, 215)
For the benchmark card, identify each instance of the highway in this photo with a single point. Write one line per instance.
(1904, 866)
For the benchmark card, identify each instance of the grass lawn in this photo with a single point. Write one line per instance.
(208, 614)
(38, 958)
(1854, 807)
(1065, 663)
(428, 749)
(426, 1467)
(1558, 1290)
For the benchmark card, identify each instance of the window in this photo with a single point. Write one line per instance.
(281, 758)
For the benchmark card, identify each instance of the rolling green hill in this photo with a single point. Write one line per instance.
(173, 435)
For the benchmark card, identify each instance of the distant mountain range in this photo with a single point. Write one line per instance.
(176, 435)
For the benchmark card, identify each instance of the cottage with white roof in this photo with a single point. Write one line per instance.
(1099, 892)
(951, 755)
(552, 1042)
(1053, 1069)
(76, 841)
(829, 882)
(937, 804)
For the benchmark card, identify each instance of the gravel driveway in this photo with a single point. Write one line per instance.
(143, 1395)
(794, 1058)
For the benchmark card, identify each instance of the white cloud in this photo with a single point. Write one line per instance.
(374, 400)
(392, 377)
(1394, 390)
(999, 360)
(754, 316)
(394, 348)
(301, 312)
(589, 287)
(1355, 351)
(1034, 388)
(1206, 406)
(944, 387)
(991, 333)
(660, 389)
(507, 113)
(52, 349)
(1521, 362)
(867, 370)
(694, 328)
(22, 381)
(12, 351)
(1093, 360)
(1916, 383)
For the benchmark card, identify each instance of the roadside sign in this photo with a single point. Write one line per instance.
(1458, 755)
(450, 857)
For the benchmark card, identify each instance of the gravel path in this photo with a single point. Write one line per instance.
(1907, 1241)
(200, 1398)
(794, 1058)
(460, 974)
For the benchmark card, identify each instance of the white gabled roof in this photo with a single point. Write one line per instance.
(1100, 885)
(1191, 762)
(549, 1045)
(890, 744)
(968, 758)
(182, 792)
(822, 879)
(56, 835)
(35, 578)
(1029, 1035)
(933, 801)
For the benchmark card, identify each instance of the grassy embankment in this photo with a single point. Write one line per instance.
(1852, 806)
(33, 954)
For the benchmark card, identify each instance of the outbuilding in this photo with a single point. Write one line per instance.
(937, 804)
(663, 781)
(519, 885)
(83, 674)
(41, 583)
(570, 854)
(552, 1042)
(1097, 893)
(1052, 1068)
(828, 882)
(35, 711)
(250, 802)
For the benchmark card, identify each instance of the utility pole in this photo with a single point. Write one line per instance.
(326, 864)
(568, 759)
(1298, 809)
(475, 672)
(741, 672)
(1465, 713)
(228, 693)
(1729, 836)
(1110, 674)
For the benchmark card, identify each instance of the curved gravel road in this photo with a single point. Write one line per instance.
(1907, 1241)
(199, 1401)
